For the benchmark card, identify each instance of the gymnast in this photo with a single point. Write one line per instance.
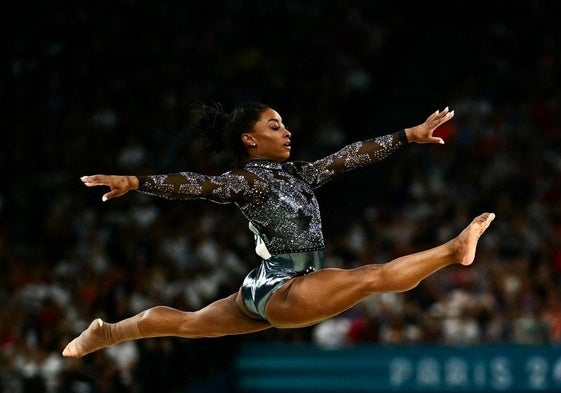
(289, 288)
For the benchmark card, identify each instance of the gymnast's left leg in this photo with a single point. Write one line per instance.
(223, 317)
(309, 299)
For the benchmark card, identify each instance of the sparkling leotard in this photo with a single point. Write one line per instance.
(279, 202)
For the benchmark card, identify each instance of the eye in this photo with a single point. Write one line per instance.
(275, 125)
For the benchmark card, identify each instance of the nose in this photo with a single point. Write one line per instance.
(287, 133)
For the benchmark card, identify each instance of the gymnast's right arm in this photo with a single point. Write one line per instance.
(229, 187)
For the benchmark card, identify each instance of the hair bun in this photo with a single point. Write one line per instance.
(210, 121)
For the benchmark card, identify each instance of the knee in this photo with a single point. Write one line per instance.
(375, 279)
(387, 281)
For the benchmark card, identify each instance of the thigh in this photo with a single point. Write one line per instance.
(309, 299)
(223, 317)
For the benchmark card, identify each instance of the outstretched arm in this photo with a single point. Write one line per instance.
(229, 187)
(363, 153)
(119, 185)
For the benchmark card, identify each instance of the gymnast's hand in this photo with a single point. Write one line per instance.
(119, 185)
(423, 132)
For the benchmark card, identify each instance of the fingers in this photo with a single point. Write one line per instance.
(447, 114)
(118, 185)
(441, 117)
(96, 180)
(437, 140)
(437, 119)
(438, 115)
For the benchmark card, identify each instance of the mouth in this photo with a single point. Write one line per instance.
(287, 144)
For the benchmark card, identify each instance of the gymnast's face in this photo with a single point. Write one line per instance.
(269, 139)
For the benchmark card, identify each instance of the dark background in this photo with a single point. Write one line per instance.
(105, 86)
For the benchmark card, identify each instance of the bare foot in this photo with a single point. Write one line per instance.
(466, 242)
(93, 338)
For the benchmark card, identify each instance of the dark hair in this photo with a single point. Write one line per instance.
(221, 131)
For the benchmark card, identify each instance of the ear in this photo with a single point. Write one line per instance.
(248, 140)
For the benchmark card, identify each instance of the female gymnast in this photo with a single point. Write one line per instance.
(289, 288)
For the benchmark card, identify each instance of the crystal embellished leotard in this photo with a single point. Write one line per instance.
(279, 202)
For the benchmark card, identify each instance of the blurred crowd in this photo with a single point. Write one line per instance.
(106, 88)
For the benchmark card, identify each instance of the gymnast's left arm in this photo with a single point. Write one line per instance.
(364, 153)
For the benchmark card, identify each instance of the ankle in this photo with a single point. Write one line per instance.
(453, 248)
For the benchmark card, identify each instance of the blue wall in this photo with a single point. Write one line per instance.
(304, 368)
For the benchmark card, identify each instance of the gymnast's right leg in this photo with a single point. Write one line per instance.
(223, 317)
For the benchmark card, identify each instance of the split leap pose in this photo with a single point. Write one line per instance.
(289, 288)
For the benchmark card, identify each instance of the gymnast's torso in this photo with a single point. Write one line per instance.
(277, 198)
